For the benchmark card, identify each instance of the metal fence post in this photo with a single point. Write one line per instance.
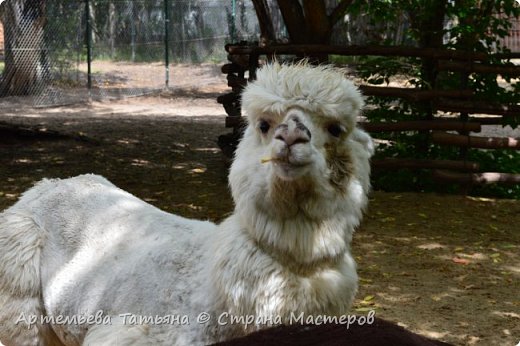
(166, 41)
(89, 45)
(233, 23)
(132, 23)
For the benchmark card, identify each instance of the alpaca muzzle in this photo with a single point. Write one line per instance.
(292, 131)
(292, 149)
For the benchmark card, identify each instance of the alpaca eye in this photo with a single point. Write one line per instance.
(335, 130)
(264, 126)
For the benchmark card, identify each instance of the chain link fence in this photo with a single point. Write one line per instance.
(130, 45)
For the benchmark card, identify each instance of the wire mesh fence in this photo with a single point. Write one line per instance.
(48, 45)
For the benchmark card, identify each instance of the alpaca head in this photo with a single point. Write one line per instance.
(301, 156)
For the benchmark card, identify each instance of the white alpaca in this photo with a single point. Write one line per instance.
(80, 247)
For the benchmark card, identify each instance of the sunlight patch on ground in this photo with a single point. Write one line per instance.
(431, 246)
(127, 141)
(211, 150)
(198, 170)
(429, 330)
(512, 269)
(440, 296)
(23, 160)
(140, 162)
(399, 298)
(507, 314)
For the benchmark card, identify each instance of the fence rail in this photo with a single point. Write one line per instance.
(245, 61)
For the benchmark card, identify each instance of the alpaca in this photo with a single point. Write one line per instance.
(83, 262)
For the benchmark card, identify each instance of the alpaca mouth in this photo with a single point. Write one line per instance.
(285, 160)
(289, 168)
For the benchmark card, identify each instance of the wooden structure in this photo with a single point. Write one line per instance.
(245, 60)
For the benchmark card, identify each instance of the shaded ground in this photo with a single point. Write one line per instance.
(444, 266)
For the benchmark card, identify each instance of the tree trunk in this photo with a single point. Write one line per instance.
(318, 22)
(307, 21)
(112, 28)
(24, 40)
(294, 20)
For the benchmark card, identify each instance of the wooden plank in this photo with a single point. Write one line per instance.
(369, 50)
(511, 55)
(413, 94)
(475, 142)
(240, 60)
(228, 98)
(478, 107)
(232, 68)
(509, 70)
(421, 125)
(310, 49)
(235, 121)
(487, 120)
(236, 82)
(424, 125)
(391, 163)
(477, 178)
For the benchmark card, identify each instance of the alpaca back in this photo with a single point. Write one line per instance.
(21, 243)
(85, 246)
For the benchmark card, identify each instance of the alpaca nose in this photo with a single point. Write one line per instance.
(293, 131)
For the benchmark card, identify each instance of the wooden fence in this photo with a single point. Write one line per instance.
(244, 61)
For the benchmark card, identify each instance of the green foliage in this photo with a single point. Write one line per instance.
(473, 26)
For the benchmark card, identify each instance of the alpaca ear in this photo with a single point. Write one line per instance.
(364, 139)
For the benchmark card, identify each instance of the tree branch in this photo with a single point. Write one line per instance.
(264, 19)
(294, 20)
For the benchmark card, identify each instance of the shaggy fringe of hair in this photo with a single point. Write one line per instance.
(322, 90)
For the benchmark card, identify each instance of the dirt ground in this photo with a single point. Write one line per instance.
(447, 267)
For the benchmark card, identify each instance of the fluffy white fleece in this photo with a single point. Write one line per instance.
(81, 245)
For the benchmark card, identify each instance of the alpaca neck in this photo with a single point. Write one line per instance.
(304, 220)
(301, 239)
(296, 266)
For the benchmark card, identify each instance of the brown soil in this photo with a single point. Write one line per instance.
(447, 267)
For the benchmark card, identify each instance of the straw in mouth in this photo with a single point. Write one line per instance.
(268, 159)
